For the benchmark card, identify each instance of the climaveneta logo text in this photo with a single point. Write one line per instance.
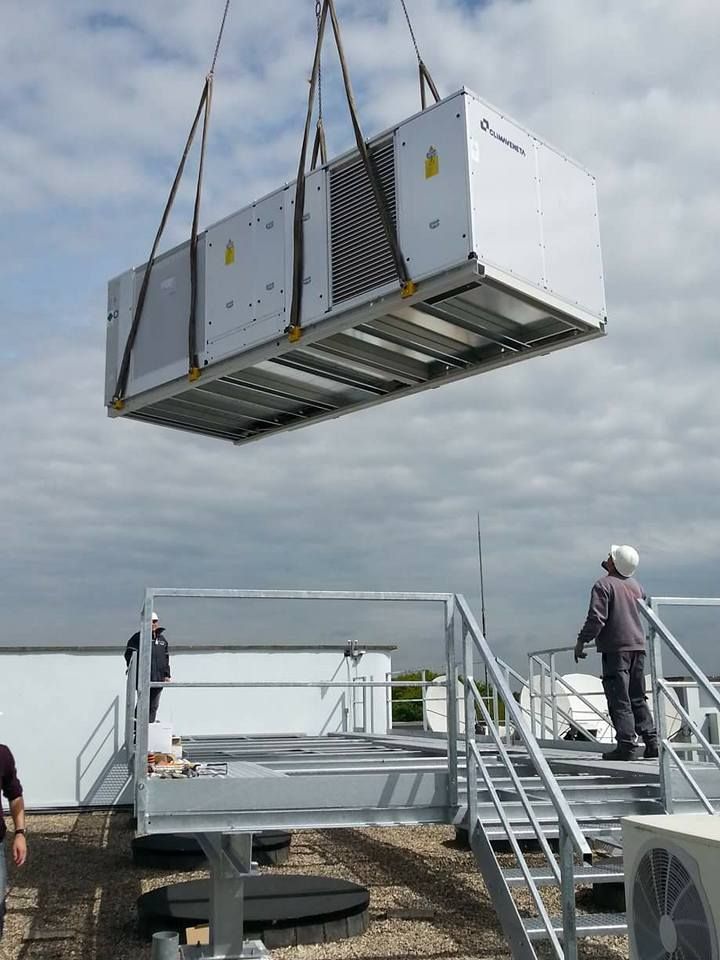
(485, 125)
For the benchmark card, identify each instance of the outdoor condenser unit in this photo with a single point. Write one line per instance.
(672, 886)
(499, 232)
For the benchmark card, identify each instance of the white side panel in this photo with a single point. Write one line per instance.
(571, 233)
(161, 346)
(268, 256)
(246, 278)
(70, 751)
(316, 270)
(432, 175)
(503, 188)
(119, 318)
(229, 282)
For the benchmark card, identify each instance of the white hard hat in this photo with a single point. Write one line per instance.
(155, 616)
(625, 558)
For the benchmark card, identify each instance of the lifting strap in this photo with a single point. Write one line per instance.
(203, 110)
(425, 78)
(294, 328)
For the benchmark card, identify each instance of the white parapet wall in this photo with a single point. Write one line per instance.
(63, 710)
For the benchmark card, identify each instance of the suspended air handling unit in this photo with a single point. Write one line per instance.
(499, 261)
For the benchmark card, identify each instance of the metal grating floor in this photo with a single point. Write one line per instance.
(467, 321)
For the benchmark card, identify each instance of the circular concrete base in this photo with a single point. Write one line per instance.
(282, 911)
(177, 851)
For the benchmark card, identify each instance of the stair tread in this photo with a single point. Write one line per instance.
(587, 925)
(587, 873)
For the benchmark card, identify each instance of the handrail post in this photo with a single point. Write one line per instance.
(423, 700)
(567, 894)
(143, 710)
(543, 705)
(451, 701)
(553, 694)
(531, 690)
(130, 701)
(656, 673)
(471, 768)
(388, 704)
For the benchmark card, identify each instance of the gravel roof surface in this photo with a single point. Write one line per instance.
(75, 898)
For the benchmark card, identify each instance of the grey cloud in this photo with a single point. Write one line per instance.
(611, 440)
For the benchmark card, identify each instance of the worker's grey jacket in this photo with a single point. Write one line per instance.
(613, 620)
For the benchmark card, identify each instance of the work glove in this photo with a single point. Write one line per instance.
(580, 651)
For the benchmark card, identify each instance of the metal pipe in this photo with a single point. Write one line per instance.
(451, 702)
(510, 672)
(520, 857)
(694, 786)
(553, 694)
(424, 703)
(685, 659)
(471, 769)
(143, 708)
(388, 705)
(531, 689)
(707, 746)
(686, 602)
(301, 595)
(517, 783)
(156, 684)
(535, 754)
(567, 895)
(130, 695)
(656, 672)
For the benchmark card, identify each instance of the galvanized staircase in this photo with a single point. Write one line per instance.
(568, 803)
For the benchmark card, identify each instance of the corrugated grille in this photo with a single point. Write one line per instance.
(361, 258)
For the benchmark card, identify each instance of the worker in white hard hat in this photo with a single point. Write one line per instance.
(613, 623)
(159, 661)
(13, 792)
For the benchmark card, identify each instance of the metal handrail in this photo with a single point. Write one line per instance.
(517, 850)
(565, 716)
(678, 651)
(516, 781)
(535, 656)
(570, 835)
(706, 745)
(662, 688)
(542, 768)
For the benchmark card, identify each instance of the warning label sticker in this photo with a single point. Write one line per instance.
(432, 163)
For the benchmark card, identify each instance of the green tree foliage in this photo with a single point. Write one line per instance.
(407, 701)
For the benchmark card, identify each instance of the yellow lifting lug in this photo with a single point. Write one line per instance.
(294, 333)
(193, 374)
(408, 289)
(118, 404)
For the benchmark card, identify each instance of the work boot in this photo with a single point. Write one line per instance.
(651, 750)
(622, 752)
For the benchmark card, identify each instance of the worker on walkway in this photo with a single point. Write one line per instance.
(613, 624)
(12, 789)
(159, 661)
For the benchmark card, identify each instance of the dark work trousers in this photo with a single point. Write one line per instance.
(154, 702)
(624, 684)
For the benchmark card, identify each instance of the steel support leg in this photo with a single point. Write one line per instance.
(230, 860)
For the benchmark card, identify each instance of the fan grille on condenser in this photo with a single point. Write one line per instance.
(664, 888)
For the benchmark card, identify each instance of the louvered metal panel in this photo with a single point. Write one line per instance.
(360, 255)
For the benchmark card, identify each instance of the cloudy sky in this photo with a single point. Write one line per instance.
(612, 441)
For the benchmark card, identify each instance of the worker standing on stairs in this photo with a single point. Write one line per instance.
(613, 624)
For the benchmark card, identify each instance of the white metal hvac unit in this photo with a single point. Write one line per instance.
(498, 229)
(672, 886)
